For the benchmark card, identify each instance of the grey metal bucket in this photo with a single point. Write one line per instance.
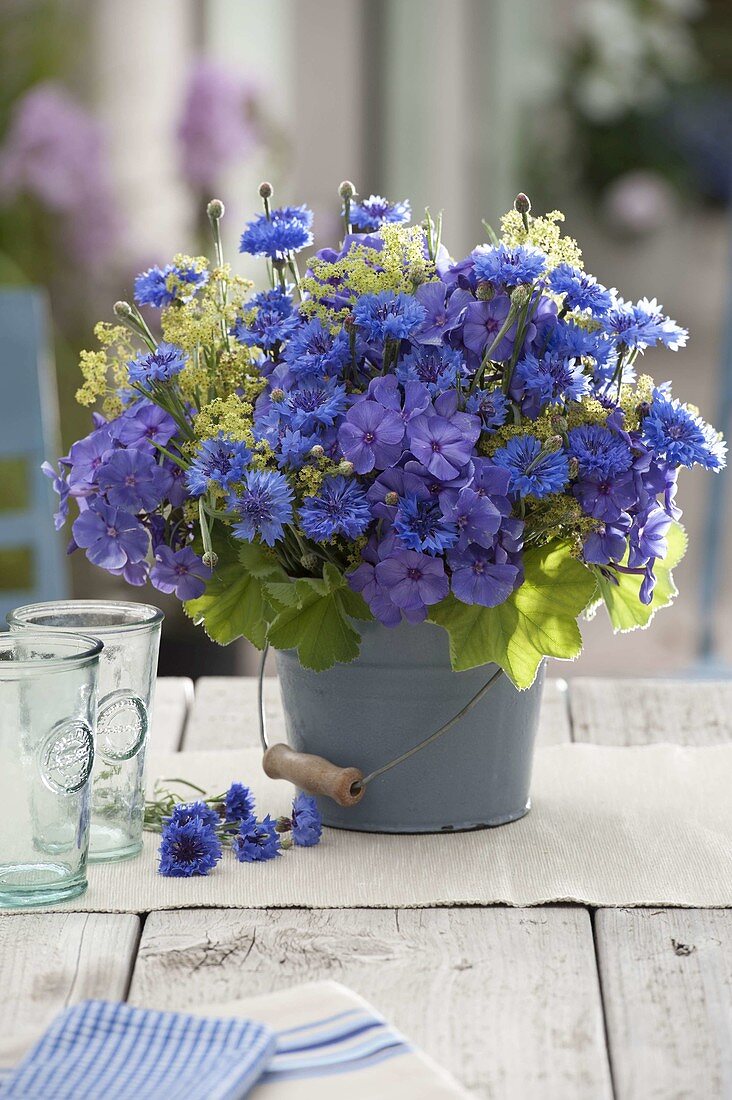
(399, 690)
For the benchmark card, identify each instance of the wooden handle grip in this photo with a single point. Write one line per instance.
(313, 774)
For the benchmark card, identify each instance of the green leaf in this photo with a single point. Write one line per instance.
(235, 604)
(622, 600)
(539, 619)
(318, 625)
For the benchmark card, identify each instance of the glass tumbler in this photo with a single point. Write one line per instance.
(48, 708)
(127, 670)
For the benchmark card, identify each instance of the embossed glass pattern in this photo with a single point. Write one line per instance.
(128, 667)
(48, 708)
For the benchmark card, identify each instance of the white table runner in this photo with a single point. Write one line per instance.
(648, 825)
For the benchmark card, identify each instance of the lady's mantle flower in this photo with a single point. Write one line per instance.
(371, 436)
(534, 470)
(287, 230)
(238, 803)
(580, 290)
(264, 506)
(387, 316)
(307, 824)
(188, 849)
(132, 479)
(256, 841)
(340, 508)
(160, 286)
(221, 462)
(273, 320)
(179, 571)
(375, 211)
(682, 437)
(112, 538)
(158, 366)
(478, 578)
(504, 266)
(421, 525)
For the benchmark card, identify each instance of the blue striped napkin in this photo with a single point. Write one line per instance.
(99, 1049)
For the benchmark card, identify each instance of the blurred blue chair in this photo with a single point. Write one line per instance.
(32, 554)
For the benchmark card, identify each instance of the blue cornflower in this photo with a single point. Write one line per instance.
(312, 406)
(152, 286)
(534, 471)
(570, 341)
(387, 316)
(491, 406)
(184, 812)
(546, 381)
(307, 824)
(581, 290)
(157, 366)
(313, 350)
(256, 841)
(287, 230)
(192, 848)
(264, 506)
(682, 437)
(436, 367)
(500, 265)
(238, 803)
(221, 462)
(421, 525)
(340, 508)
(642, 325)
(293, 448)
(599, 452)
(132, 479)
(274, 320)
(376, 211)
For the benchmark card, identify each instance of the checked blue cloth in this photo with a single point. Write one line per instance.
(116, 1052)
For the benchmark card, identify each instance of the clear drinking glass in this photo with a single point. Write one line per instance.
(48, 708)
(128, 667)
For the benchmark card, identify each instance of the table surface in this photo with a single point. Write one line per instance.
(550, 1002)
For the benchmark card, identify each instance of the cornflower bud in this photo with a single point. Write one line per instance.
(553, 443)
(347, 190)
(123, 310)
(522, 203)
(277, 395)
(266, 190)
(573, 469)
(309, 561)
(210, 558)
(391, 499)
(484, 292)
(317, 451)
(215, 209)
(283, 824)
(345, 467)
(643, 409)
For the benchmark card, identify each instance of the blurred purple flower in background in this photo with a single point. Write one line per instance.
(54, 153)
(217, 123)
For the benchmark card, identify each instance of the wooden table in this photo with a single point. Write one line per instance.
(551, 1002)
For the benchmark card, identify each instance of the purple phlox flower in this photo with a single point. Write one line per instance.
(609, 542)
(483, 322)
(110, 536)
(581, 290)
(543, 317)
(136, 573)
(680, 435)
(86, 456)
(161, 286)
(491, 480)
(396, 481)
(311, 406)
(179, 571)
(491, 406)
(412, 580)
(550, 380)
(192, 848)
(478, 579)
(183, 812)
(501, 265)
(313, 351)
(475, 517)
(648, 584)
(176, 493)
(264, 506)
(220, 462)
(160, 365)
(599, 451)
(376, 211)
(268, 320)
(238, 804)
(443, 444)
(642, 325)
(437, 368)
(648, 537)
(60, 482)
(387, 316)
(606, 498)
(144, 424)
(421, 525)
(256, 841)
(371, 436)
(409, 401)
(132, 479)
(534, 471)
(307, 824)
(432, 296)
(287, 230)
(217, 124)
(340, 508)
(363, 580)
(443, 489)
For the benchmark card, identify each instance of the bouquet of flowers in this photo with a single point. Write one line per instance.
(385, 433)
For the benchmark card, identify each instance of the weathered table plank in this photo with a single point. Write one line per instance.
(173, 700)
(51, 960)
(224, 714)
(507, 999)
(640, 712)
(667, 990)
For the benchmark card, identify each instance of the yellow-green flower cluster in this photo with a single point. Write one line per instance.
(105, 371)
(543, 233)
